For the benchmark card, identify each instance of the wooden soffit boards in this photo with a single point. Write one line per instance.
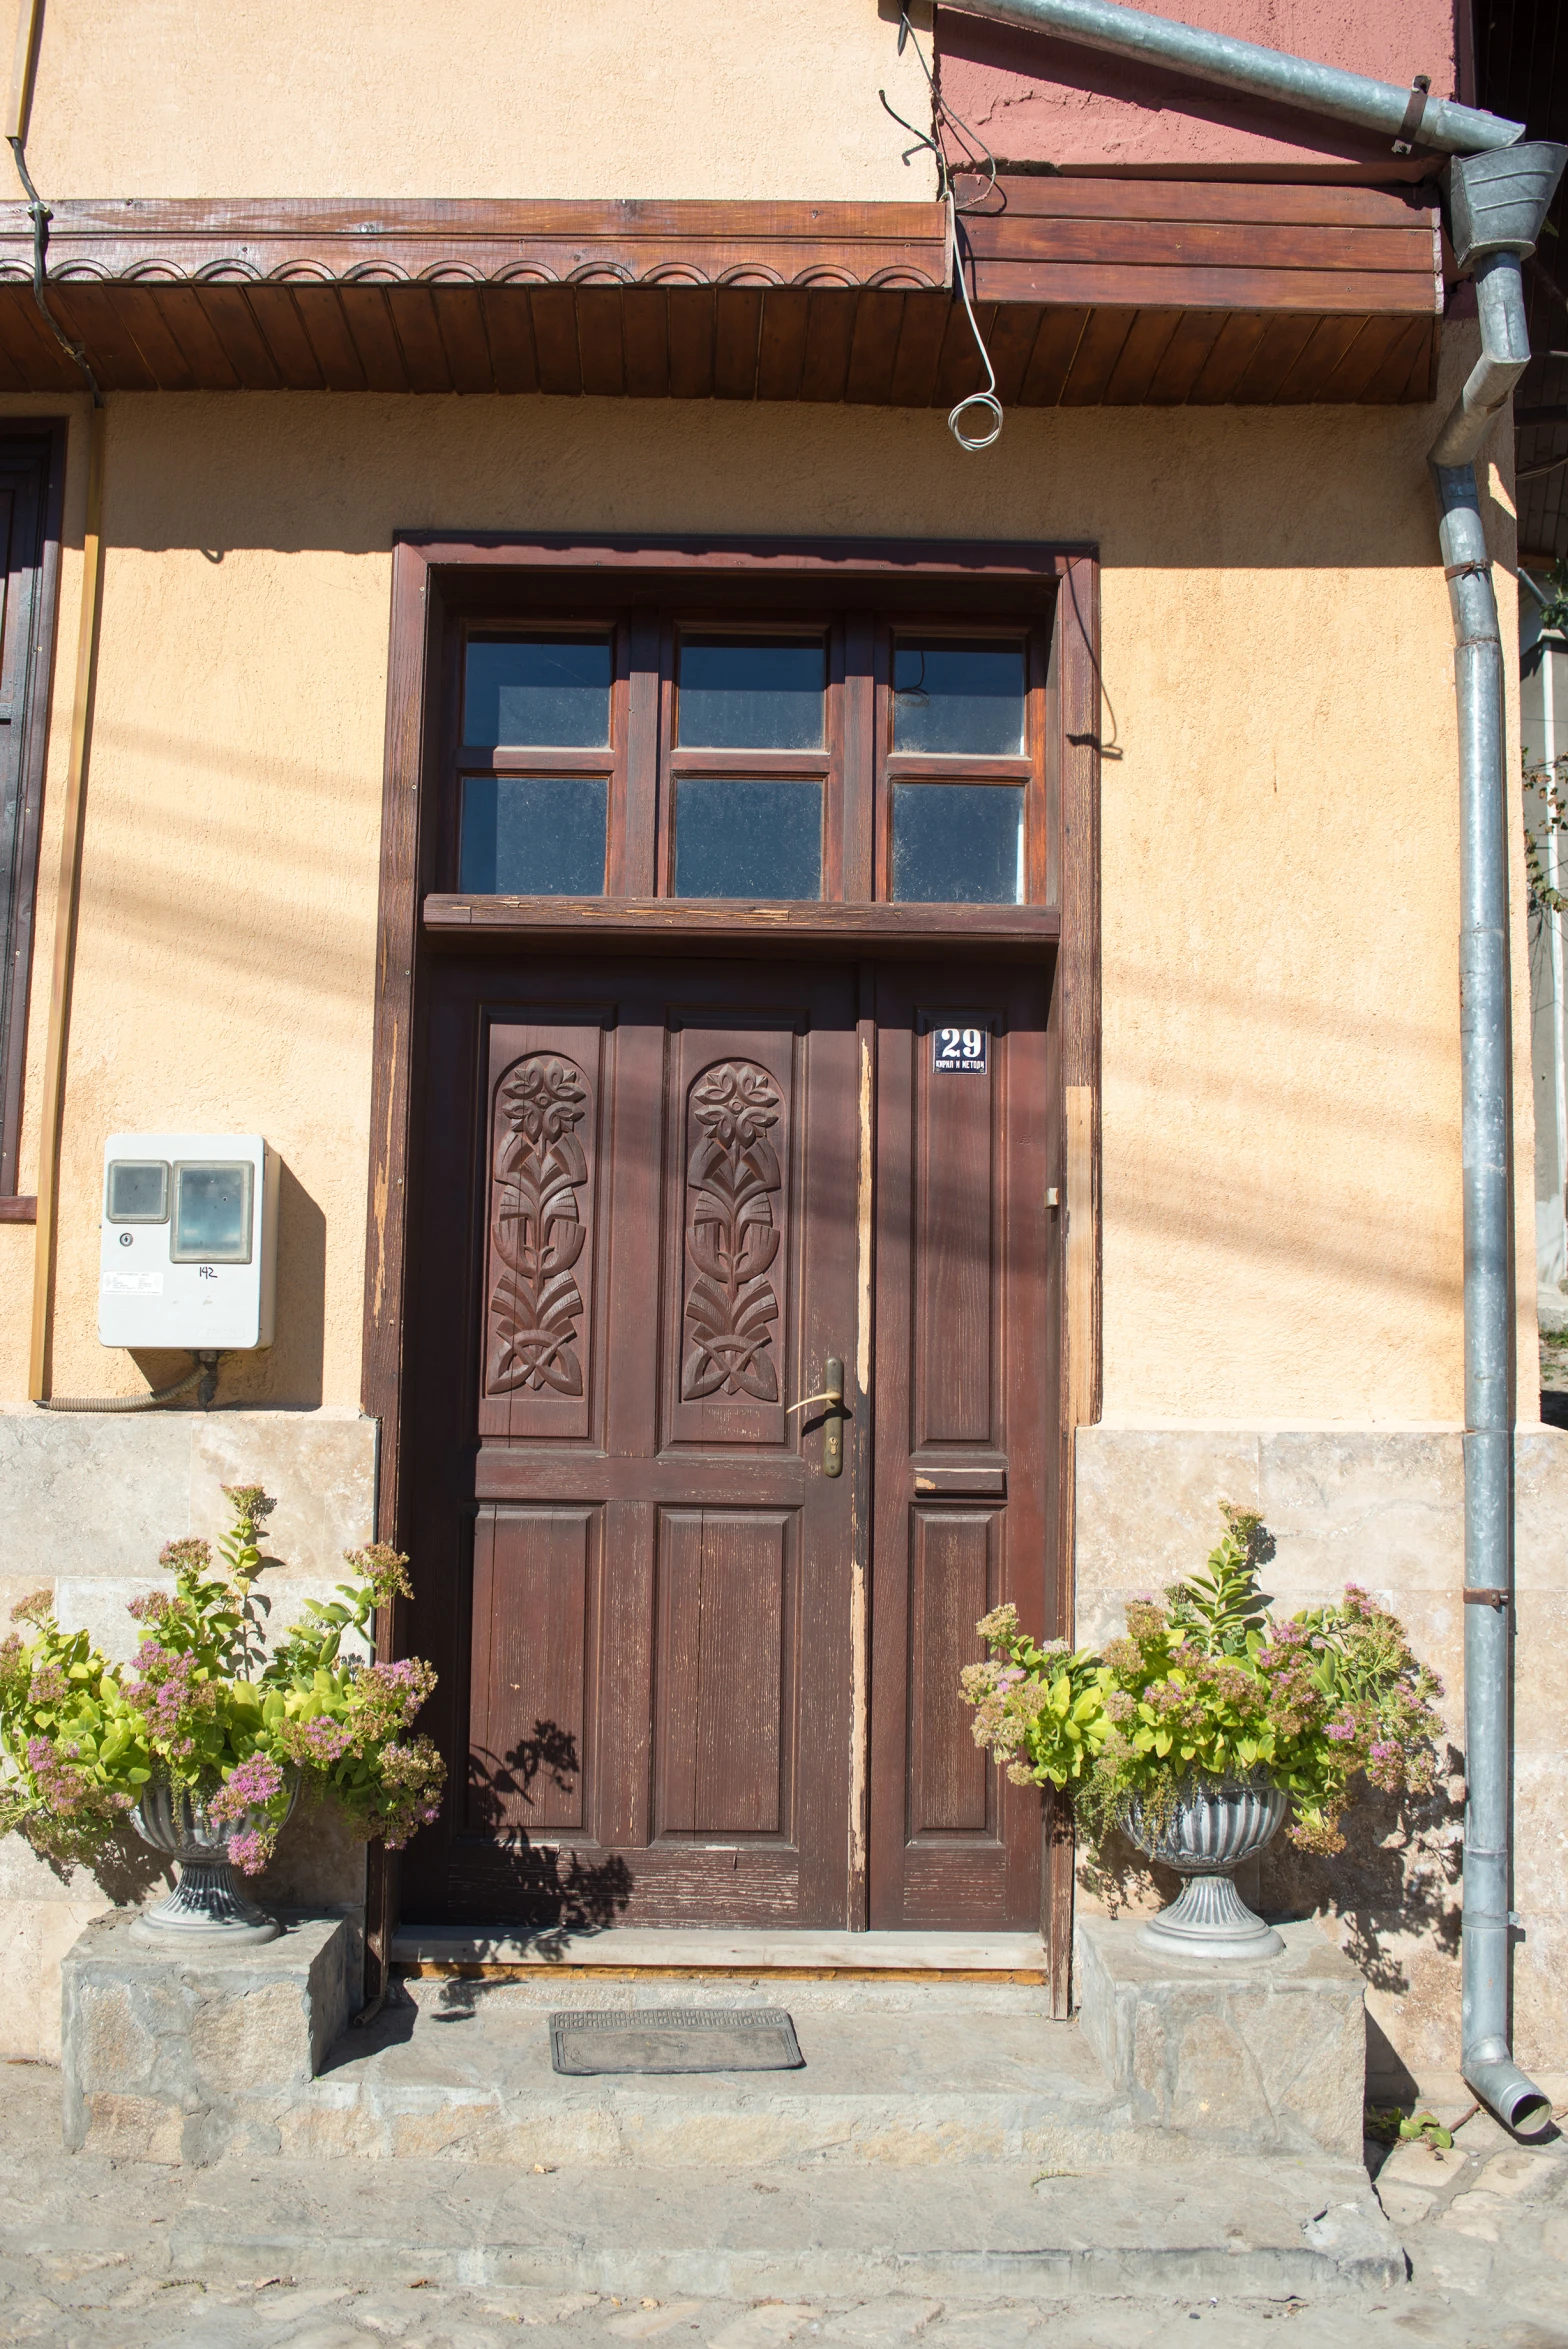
(1088, 292)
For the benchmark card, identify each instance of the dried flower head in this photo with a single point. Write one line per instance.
(385, 1569)
(190, 1555)
(251, 1501)
(37, 1607)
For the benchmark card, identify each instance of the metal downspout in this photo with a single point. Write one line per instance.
(1495, 207)
(1486, 1062)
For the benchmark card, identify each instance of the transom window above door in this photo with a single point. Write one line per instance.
(783, 757)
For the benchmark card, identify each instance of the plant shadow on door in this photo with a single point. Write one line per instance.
(559, 1889)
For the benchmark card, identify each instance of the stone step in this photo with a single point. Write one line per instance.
(1271, 2225)
(462, 2069)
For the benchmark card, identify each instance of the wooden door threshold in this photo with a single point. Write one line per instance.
(675, 1950)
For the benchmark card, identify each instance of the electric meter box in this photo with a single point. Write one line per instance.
(190, 1241)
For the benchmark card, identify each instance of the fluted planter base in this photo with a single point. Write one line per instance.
(206, 1905)
(1214, 1825)
(1210, 1920)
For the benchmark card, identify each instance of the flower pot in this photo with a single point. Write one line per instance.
(207, 1903)
(1212, 1827)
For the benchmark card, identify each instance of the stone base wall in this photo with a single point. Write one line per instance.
(1386, 1510)
(86, 1504)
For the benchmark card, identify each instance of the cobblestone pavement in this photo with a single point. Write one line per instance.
(85, 2264)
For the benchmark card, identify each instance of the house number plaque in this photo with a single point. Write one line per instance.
(959, 1051)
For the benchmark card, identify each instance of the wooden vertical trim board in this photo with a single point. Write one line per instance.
(67, 907)
(1082, 1249)
(860, 1387)
(1081, 701)
(48, 436)
(404, 822)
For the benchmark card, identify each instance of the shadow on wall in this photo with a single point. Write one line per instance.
(1395, 1885)
(289, 1375)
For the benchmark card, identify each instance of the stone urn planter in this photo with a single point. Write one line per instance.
(207, 1903)
(1213, 1826)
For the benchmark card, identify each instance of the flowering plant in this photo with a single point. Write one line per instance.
(1209, 1684)
(203, 1705)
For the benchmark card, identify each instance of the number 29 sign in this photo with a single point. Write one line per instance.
(958, 1051)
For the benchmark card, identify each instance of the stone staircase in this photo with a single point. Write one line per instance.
(945, 2136)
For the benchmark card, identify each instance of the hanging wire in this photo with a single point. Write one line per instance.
(977, 157)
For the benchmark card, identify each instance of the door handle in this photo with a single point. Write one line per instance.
(833, 1434)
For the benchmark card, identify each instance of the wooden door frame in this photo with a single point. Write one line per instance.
(426, 566)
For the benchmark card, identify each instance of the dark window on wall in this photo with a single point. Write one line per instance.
(32, 464)
(692, 754)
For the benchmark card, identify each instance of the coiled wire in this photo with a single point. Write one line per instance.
(984, 404)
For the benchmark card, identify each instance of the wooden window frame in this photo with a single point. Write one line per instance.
(36, 446)
(859, 642)
(496, 578)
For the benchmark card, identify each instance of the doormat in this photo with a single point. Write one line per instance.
(675, 2039)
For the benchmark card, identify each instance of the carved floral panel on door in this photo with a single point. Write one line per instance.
(735, 1345)
(539, 1242)
(731, 1236)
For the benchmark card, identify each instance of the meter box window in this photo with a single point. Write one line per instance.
(189, 1254)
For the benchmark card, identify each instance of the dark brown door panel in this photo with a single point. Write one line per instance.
(965, 1428)
(637, 1251)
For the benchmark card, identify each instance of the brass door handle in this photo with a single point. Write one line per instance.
(833, 1433)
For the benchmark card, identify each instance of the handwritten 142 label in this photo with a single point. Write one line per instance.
(959, 1051)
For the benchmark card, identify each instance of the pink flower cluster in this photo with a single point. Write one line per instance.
(250, 1850)
(69, 1792)
(169, 1697)
(250, 1786)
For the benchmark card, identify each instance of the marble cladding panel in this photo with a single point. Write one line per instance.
(1385, 1509)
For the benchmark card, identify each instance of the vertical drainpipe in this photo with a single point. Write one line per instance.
(1498, 193)
(1496, 204)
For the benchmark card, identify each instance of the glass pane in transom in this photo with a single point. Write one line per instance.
(739, 837)
(552, 691)
(533, 836)
(962, 696)
(751, 692)
(958, 843)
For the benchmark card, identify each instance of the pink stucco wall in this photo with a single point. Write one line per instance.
(1035, 99)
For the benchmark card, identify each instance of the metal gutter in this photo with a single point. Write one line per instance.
(1495, 208)
(1496, 199)
(1411, 117)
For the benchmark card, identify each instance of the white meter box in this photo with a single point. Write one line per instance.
(190, 1241)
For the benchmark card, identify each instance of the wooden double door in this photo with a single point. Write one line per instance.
(700, 1625)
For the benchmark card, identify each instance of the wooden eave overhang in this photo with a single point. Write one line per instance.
(1088, 291)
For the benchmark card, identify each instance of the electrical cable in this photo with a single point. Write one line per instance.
(205, 1375)
(40, 214)
(979, 157)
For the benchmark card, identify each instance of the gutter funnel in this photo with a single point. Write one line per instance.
(1410, 117)
(1497, 201)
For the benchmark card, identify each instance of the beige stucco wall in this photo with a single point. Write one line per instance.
(475, 98)
(1280, 1131)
